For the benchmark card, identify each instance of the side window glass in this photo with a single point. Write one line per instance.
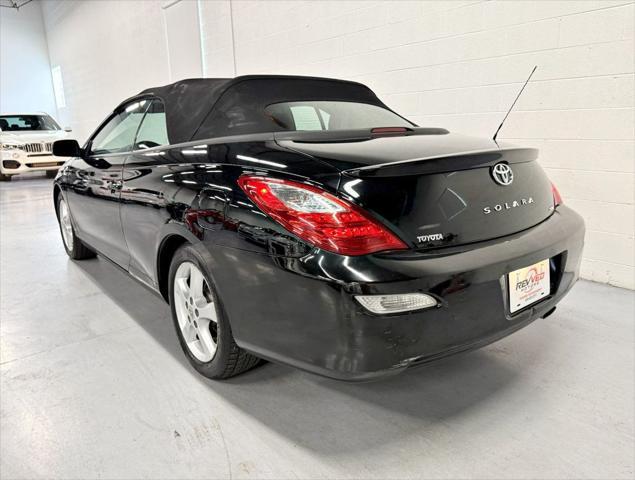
(153, 131)
(118, 134)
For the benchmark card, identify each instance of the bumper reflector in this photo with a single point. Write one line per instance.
(405, 302)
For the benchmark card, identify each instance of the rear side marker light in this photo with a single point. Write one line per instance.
(557, 198)
(405, 302)
(318, 217)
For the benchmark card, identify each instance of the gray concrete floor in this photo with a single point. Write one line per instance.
(94, 385)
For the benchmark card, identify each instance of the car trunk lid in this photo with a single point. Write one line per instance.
(436, 190)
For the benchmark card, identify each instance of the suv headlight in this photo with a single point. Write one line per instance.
(10, 146)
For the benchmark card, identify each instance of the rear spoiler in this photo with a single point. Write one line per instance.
(445, 163)
(357, 135)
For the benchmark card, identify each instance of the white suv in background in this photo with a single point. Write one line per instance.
(26, 144)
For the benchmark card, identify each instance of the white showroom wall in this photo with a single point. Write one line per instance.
(25, 74)
(456, 64)
(460, 64)
(107, 52)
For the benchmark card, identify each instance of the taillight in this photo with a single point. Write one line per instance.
(557, 198)
(318, 217)
(389, 130)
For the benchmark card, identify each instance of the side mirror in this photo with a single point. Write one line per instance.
(68, 129)
(67, 148)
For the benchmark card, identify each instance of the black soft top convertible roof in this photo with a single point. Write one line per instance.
(201, 108)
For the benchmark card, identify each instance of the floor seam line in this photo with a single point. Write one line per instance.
(65, 345)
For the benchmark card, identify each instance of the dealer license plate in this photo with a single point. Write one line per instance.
(528, 285)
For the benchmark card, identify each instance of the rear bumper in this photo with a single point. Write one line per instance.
(301, 313)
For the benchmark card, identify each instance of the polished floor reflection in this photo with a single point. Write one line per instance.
(93, 384)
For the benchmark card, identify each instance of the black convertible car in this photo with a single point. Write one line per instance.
(300, 220)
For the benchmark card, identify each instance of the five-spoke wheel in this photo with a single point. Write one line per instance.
(65, 225)
(196, 311)
(202, 325)
(74, 247)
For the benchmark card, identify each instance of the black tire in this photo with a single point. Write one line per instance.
(79, 251)
(5, 178)
(229, 359)
(51, 173)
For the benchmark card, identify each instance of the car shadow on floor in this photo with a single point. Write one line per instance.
(325, 415)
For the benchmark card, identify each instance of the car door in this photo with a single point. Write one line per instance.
(143, 195)
(94, 193)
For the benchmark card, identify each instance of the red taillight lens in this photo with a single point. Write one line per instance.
(318, 217)
(557, 199)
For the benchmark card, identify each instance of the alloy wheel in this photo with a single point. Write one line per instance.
(67, 227)
(196, 312)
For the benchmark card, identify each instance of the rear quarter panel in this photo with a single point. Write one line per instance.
(189, 190)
